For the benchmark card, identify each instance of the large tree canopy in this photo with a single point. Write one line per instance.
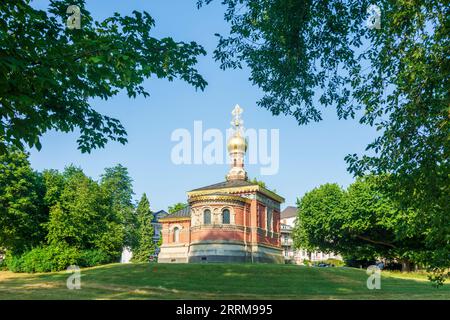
(83, 216)
(363, 221)
(306, 55)
(49, 73)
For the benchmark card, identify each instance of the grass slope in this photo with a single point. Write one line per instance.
(216, 281)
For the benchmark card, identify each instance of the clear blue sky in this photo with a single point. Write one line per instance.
(309, 155)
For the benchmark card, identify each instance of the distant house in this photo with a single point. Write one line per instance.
(288, 218)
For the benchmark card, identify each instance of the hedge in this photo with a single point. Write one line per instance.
(54, 258)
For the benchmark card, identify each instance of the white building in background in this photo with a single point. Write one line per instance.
(288, 218)
(126, 255)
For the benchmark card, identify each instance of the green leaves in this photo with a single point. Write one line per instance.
(22, 211)
(48, 73)
(84, 216)
(365, 222)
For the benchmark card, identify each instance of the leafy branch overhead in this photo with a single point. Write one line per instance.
(49, 74)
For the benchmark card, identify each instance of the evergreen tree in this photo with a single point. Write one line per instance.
(146, 246)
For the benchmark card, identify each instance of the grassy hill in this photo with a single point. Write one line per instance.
(217, 281)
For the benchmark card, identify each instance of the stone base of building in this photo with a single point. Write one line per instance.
(220, 251)
(173, 253)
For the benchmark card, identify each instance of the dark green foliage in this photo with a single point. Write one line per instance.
(22, 211)
(51, 220)
(146, 247)
(49, 74)
(356, 262)
(362, 223)
(83, 217)
(54, 258)
(93, 257)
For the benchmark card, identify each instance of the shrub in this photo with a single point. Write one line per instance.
(93, 257)
(55, 258)
(335, 262)
(50, 258)
(13, 263)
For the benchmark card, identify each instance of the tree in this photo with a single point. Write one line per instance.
(118, 185)
(49, 73)
(309, 54)
(258, 182)
(176, 207)
(146, 246)
(54, 184)
(362, 222)
(22, 211)
(319, 221)
(83, 217)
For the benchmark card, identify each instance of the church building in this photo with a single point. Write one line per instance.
(231, 221)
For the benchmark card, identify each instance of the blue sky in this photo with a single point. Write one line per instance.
(309, 155)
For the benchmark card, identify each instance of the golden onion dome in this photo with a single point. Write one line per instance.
(237, 143)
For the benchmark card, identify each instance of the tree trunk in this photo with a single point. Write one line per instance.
(406, 265)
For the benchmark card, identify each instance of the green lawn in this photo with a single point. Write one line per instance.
(217, 281)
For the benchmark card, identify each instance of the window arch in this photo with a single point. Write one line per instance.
(207, 216)
(226, 216)
(176, 234)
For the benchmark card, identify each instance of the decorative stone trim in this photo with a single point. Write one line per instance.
(246, 189)
(218, 226)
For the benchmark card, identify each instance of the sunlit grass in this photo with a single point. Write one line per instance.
(218, 281)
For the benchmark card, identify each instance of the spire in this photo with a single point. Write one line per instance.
(237, 146)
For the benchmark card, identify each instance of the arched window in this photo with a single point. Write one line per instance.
(226, 216)
(207, 216)
(176, 234)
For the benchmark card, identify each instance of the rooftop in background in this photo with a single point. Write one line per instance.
(182, 213)
(158, 215)
(289, 212)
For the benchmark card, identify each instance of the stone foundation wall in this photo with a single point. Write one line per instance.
(226, 251)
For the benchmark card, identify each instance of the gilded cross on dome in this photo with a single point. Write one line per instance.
(237, 121)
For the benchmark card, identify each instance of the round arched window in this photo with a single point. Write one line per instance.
(226, 216)
(207, 216)
(176, 234)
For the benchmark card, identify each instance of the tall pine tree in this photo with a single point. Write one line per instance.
(145, 245)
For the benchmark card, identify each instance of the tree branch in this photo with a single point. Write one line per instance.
(376, 242)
